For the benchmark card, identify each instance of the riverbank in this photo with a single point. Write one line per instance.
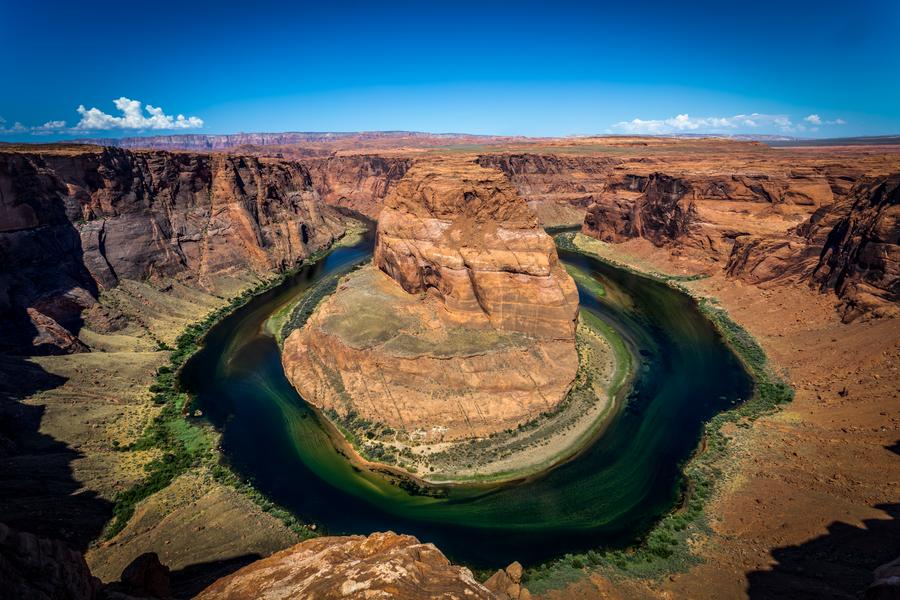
(184, 489)
(792, 483)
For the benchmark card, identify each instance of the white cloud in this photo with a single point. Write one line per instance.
(133, 117)
(683, 123)
(15, 129)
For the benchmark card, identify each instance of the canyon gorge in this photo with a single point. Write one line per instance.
(465, 326)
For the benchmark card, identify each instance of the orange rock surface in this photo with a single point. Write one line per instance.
(466, 329)
(382, 565)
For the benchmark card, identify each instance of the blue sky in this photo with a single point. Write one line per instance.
(811, 69)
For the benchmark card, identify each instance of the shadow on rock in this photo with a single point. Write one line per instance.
(192, 579)
(839, 564)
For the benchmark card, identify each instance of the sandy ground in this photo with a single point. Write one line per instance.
(809, 505)
(199, 528)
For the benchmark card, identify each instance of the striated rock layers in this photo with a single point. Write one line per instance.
(851, 247)
(359, 182)
(465, 324)
(75, 221)
(382, 565)
(663, 212)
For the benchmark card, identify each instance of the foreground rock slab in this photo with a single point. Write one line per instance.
(382, 565)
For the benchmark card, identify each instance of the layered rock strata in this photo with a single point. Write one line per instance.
(75, 222)
(465, 324)
(358, 182)
(662, 212)
(851, 247)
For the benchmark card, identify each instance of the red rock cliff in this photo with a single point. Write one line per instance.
(76, 221)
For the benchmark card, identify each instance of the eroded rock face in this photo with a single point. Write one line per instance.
(851, 247)
(464, 326)
(462, 234)
(663, 212)
(358, 182)
(382, 565)
(75, 222)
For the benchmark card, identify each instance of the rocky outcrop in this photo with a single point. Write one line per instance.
(851, 247)
(860, 257)
(466, 326)
(663, 212)
(359, 182)
(382, 565)
(507, 583)
(74, 222)
(462, 234)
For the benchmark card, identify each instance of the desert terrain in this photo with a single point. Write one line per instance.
(109, 255)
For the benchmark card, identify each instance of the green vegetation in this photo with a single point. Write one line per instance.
(586, 281)
(665, 548)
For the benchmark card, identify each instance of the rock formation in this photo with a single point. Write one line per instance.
(75, 221)
(466, 327)
(382, 565)
(359, 182)
(663, 212)
(463, 234)
(851, 247)
(507, 583)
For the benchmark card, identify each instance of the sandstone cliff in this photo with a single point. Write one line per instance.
(851, 247)
(382, 565)
(558, 188)
(663, 212)
(464, 235)
(76, 221)
(467, 325)
(359, 182)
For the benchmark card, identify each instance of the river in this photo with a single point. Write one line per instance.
(608, 495)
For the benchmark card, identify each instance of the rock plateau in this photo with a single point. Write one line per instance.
(465, 324)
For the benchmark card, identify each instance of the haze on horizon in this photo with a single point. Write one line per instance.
(105, 69)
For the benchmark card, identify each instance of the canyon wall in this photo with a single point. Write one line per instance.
(851, 247)
(74, 222)
(663, 212)
(358, 182)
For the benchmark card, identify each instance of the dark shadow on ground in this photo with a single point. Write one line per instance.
(38, 490)
(836, 565)
(895, 447)
(191, 580)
